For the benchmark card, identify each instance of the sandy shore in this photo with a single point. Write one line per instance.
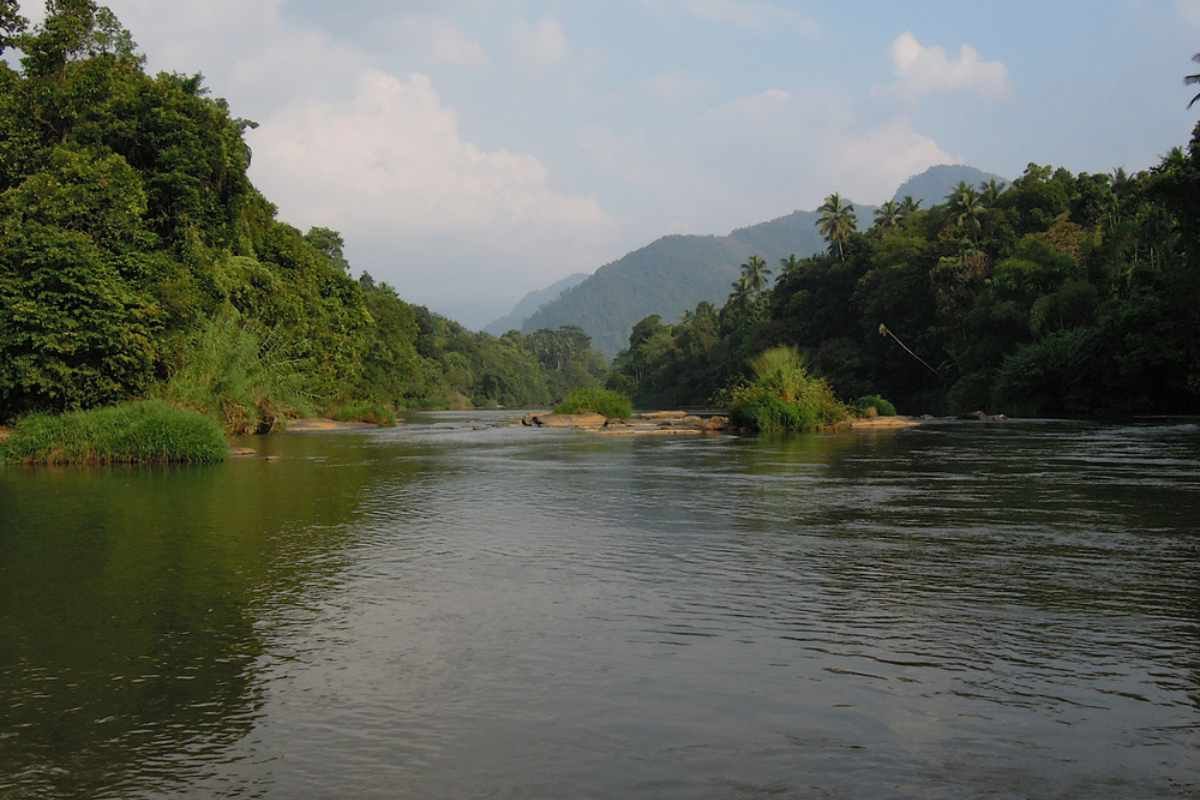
(324, 424)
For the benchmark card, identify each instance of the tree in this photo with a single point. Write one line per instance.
(1189, 80)
(12, 24)
(888, 215)
(909, 206)
(755, 271)
(990, 191)
(789, 265)
(967, 208)
(837, 222)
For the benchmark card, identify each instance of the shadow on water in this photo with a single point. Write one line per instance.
(136, 606)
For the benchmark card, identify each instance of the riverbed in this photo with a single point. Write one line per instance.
(459, 608)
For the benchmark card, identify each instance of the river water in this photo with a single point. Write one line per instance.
(457, 609)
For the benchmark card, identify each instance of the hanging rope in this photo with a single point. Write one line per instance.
(884, 331)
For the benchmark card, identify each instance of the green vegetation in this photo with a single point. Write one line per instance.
(137, 260)
(1058, 294)
(783, 396)
(872, 405)
(140, 432)
(374, 413)
(594, 400)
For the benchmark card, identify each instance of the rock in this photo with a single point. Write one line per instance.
(974, 415)
(716, 424)
(658, 416)
(242, 452)
(589, 421)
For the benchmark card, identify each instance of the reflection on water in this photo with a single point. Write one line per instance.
(453, 608)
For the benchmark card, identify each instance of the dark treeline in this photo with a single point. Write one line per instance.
(137, 259)
(1059, 294)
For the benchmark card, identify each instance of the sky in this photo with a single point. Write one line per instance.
(473, 150)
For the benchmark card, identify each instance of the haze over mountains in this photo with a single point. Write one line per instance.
(674, 273)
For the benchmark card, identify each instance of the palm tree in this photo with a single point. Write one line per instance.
(789, 265)
(741, 289)
(909, 206)
(888, 215)
(990, 192)
(837, 222)
(1189, 80)
(755, 273)
(967, 208)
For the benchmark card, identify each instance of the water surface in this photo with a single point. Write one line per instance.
(456, 609)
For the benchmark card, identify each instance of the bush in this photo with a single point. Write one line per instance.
(880, 406)
(226, 372)
(594, 400)
(783, 396)
(146, 432)
(374, 413)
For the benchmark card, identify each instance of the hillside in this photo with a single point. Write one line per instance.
(932, 185)
(672, 274)
(527, 305)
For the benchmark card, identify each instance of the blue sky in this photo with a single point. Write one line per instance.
(471, 151)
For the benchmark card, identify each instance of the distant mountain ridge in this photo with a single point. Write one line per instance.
(675, 273)
(530, 303)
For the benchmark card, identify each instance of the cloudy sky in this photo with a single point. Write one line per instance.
(472, 150)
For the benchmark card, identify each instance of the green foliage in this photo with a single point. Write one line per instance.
(231, 373)
(783, 396)
(877, 404)
(374, 413)
(1056, 294)
(137, 259)
(130, 433)
(594, 400)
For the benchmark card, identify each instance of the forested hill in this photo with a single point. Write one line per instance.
(138, 260)
(674, 273)
(530, 303)
(935, 184)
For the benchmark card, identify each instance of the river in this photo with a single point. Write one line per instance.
(454, 608)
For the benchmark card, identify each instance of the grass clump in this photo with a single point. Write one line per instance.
(365, 411)
(783, 397)
(595, 400)
(873, 405)
(229, 371)
(144, 432)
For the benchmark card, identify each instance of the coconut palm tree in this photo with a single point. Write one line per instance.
(755, 272)
(967, 208)
(741, 289)
(789, 265)
(990, 191)
(1189, 80)
(909, 206)
(888, 215)
(837, 222)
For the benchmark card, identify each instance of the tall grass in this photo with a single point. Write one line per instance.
(873, 405)
(229, 371)
(783, 396)
(594, 400)
(365, 411)
(148, 431)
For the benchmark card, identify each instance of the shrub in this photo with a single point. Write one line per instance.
(873, 402)
(367, 411)
(594, 400)
(783, 396)
(149, 432)
(227, 372)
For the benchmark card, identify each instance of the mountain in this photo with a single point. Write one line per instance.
(932, 185)
(672, 274)
(531, 302)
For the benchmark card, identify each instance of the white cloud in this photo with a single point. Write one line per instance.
(753, 15)
(452, 46)
(922, 69)
(1189, 10)
(392, 155)
(871, 164)
(542, 43)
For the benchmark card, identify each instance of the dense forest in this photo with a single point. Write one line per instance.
(1068, 294)
(137, 260)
